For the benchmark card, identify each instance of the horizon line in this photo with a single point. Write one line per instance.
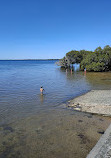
(29, 59)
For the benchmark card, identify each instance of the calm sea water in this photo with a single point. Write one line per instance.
(20, 82)
(34, 126)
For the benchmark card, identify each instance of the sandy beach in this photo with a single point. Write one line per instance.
(95, 101)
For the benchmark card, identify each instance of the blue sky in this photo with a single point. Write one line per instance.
(44, 29)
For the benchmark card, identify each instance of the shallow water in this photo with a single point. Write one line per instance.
(32, 125)
(20, 82)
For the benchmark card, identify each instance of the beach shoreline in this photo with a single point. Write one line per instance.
(95, 101)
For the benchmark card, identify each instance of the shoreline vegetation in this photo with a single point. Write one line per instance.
(98, 60)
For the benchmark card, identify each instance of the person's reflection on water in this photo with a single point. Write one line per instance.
(42, 98)
(85, 72)
(71, 71)
(66, 72)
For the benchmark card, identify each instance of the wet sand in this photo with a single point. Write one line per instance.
(60, 132)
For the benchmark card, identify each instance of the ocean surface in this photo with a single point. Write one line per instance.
(21, 101)
(20, 83)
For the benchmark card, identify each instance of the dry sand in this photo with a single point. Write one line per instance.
(95, 101)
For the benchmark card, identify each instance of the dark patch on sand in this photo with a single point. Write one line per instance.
(83, 138)
(80, 120)
(4, 143)
(101, 131)
(90, 116)
(101, 119)
(8, 128)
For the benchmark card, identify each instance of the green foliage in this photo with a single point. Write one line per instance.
(74, 56)
(95, 67)
(99, 60)
(64, 62)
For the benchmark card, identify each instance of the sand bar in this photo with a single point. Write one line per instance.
(95, 101)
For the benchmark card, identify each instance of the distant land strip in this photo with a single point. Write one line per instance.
(28, 59)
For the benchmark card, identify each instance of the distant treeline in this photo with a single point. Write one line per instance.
(26, 59)
(97, 60)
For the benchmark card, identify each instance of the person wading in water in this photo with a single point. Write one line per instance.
(41, 90)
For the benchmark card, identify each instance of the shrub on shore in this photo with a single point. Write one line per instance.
(98, 61)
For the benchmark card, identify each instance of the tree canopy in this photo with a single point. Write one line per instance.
(97, 60)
